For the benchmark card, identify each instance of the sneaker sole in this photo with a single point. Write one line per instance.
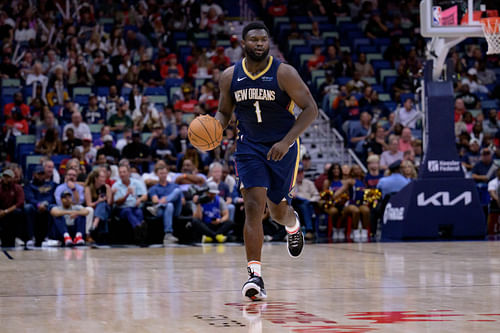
(253, 292)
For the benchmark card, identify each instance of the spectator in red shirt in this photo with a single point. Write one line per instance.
(18, 104)
(16, 125)
(317, 60)
(220, 60)
(172, 69)
(188, 103)
(11, 205)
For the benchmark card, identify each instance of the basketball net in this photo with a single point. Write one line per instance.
(491, 29)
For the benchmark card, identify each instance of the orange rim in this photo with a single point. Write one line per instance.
(491, 25)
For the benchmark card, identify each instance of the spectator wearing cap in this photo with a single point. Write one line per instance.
(234, 52)
(172, 69)
(11, 205)
(305, 195)
(474, 85)
(69, 220)
(220, 60)
(211, 216)
(129, 194)
(39, 197)
(137, 153)
(119, 121)
(86, 150)
(187, 103)
(391, 155)
(484, 170)
(112, 154)
(167, 202)
(80, 128)
(94, 113)
(149, 76)
(394, 182)
(374, 173)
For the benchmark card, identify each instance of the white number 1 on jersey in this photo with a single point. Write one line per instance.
(257, 111)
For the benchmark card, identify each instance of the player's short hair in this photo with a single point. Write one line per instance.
(253, 26)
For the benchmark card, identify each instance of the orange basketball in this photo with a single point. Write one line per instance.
(205, 132)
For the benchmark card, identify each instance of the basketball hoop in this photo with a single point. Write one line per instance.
(491, 29)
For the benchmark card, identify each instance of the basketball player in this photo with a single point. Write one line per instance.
(262, 92)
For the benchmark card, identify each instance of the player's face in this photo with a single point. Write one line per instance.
(256, 44)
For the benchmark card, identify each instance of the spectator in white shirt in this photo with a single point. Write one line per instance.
(24, 33)
(407, 115)
(474, 85)
(81, 129)
(37, 78)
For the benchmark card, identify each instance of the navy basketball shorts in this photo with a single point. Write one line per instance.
(254, 170)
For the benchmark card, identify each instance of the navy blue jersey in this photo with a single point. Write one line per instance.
(264, 111)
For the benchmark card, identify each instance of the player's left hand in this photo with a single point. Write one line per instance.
(278, 151)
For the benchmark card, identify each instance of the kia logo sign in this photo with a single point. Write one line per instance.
(443, 199)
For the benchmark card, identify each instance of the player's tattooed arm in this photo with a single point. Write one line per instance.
(226, 104)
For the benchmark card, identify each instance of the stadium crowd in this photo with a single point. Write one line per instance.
(97, 98)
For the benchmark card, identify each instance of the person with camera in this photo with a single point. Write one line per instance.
(167, 202)
(211, 216)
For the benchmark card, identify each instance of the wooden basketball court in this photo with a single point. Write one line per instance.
(382, 287)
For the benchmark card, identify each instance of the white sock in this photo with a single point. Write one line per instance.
(66, 235)
(295, 228)
(255, 267)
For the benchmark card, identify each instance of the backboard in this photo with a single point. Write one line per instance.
(455, 18)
